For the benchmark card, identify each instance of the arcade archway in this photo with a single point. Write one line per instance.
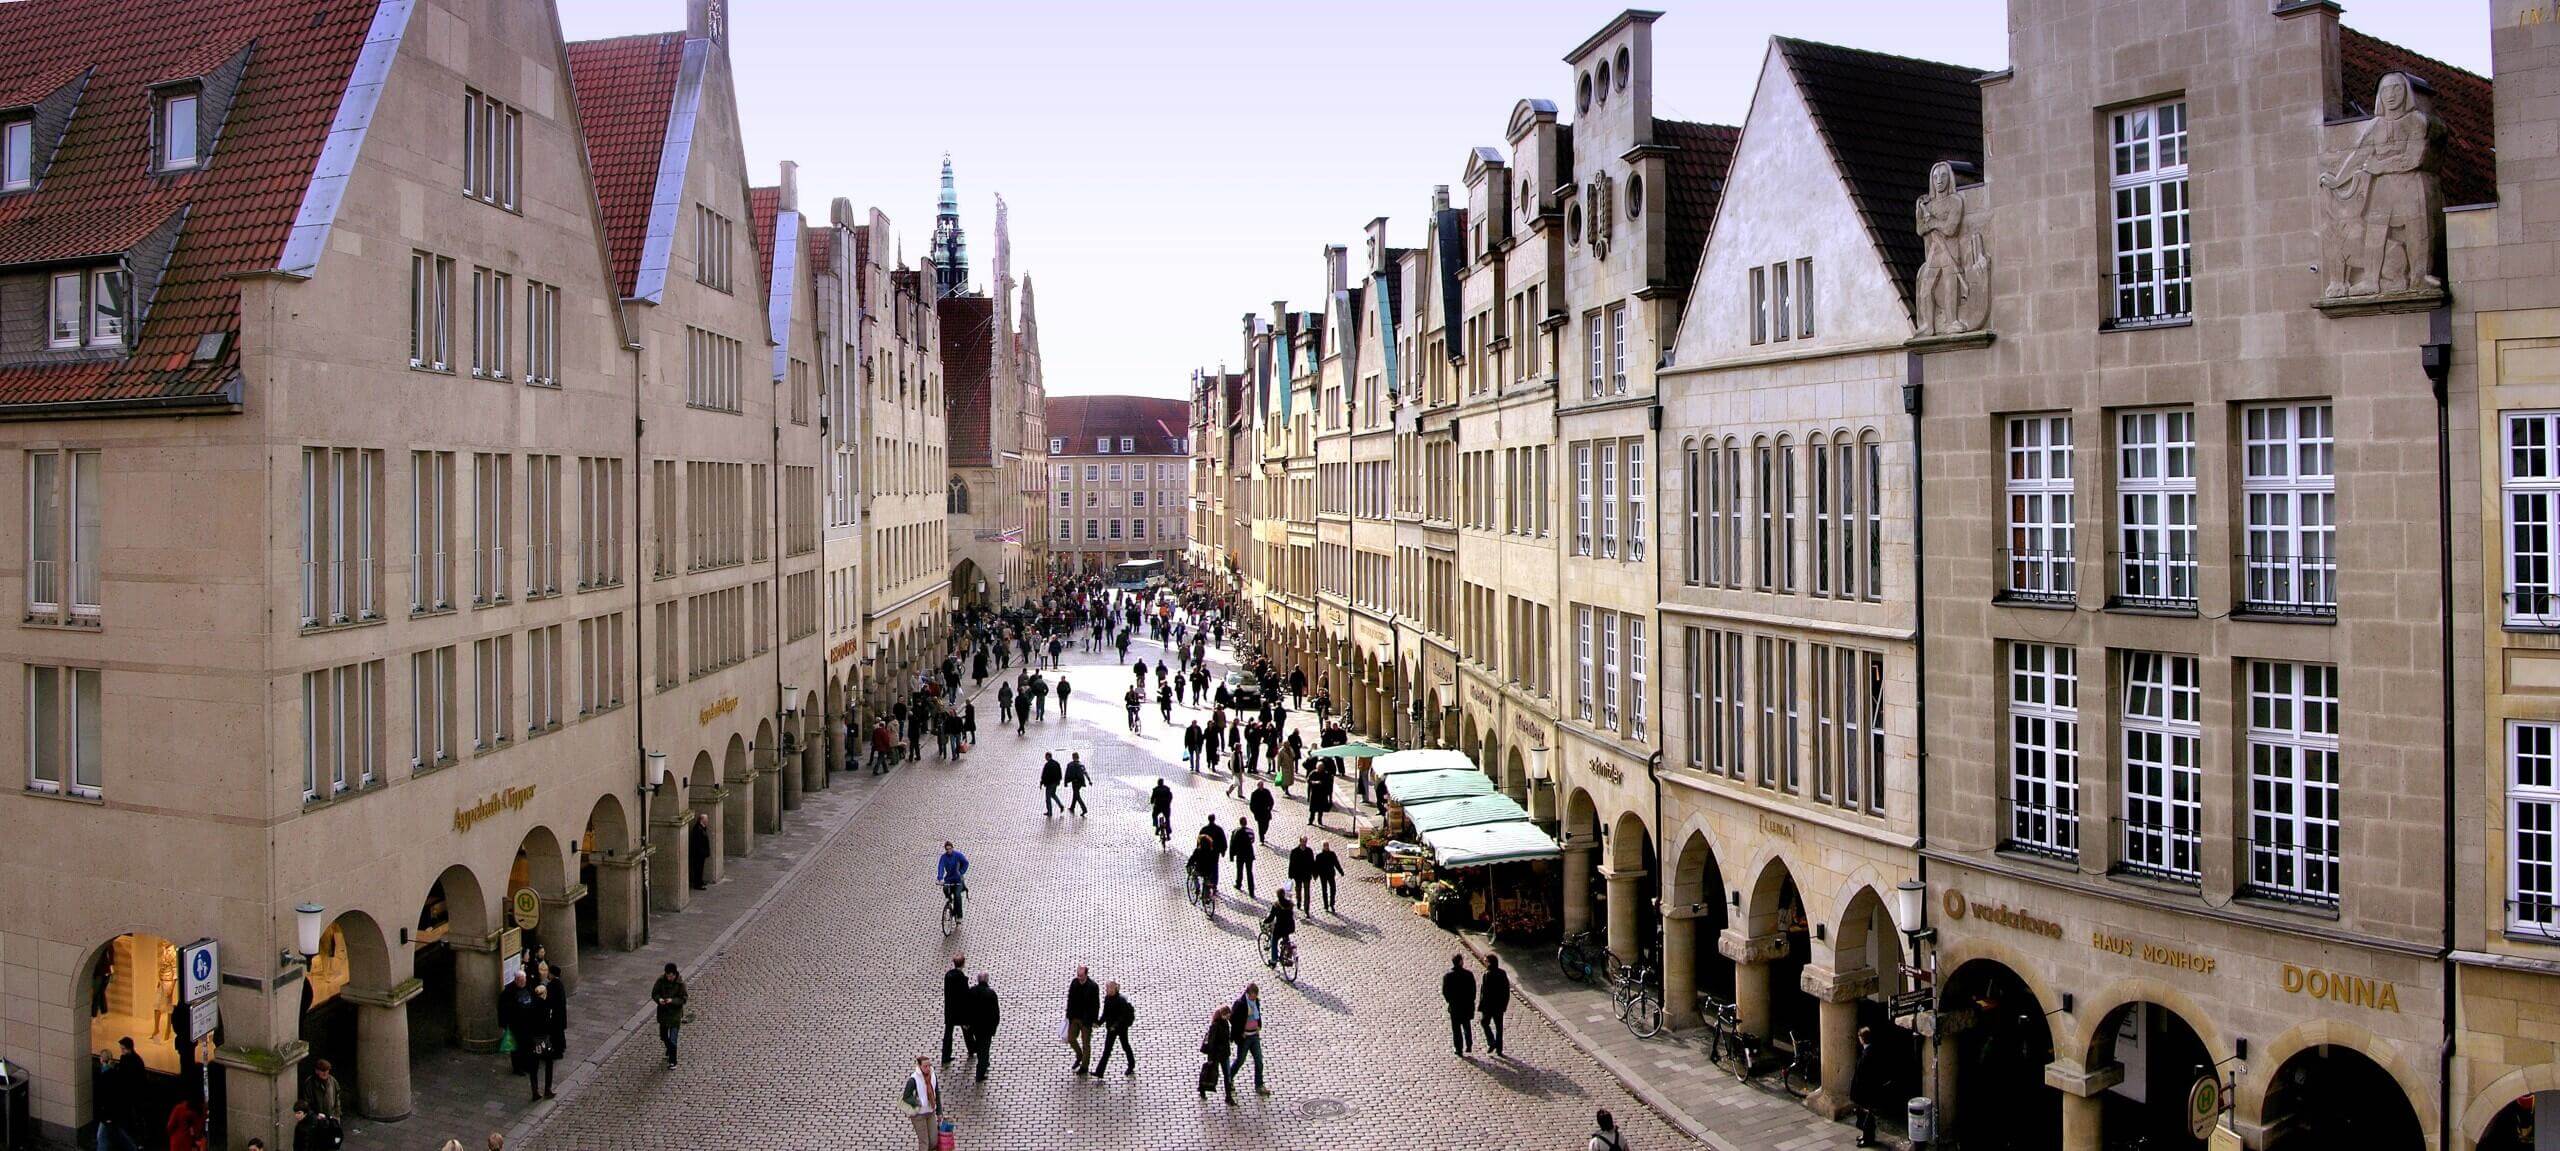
(2332, 1096)
(1992, 1047)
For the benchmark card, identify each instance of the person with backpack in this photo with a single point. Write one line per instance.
(1607, 1137)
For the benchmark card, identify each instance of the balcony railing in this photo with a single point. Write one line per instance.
(2288, 585)
(44, 586)
(2158, 851)
(2039, 576)
(2290, 873)
(2039, 829)
(2534, 915)
(2163, 580)
(2149, 296)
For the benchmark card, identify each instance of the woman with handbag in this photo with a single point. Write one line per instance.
(1217, 1046)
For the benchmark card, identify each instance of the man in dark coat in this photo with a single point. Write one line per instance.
(1301, 873)
(670, 996)
(1240, 846)
(1084, 1009)
(1050, 776)
(1458, 990)
(983, 1016)
(1261, 805)
(955, 1004)
(698, 850)
(1869, 1083)
(1117, 1015)
(1493, 997)
(1077, 777)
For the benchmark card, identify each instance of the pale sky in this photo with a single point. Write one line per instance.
(1169, 165)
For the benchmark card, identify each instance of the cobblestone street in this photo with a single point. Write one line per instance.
(806, 1021)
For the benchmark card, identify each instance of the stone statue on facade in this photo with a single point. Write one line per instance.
(1953, 291)
(2384, 205)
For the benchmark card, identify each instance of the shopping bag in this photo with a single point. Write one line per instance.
(1208, 1075)
(1063, 1028)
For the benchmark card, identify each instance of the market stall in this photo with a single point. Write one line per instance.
(1416, 787)
(1493, 872)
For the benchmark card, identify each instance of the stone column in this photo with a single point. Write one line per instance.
(263, 1083)
(668, 849)
(1623, 910)
(559, 931)
(738, 811)
(475, 990)
(382, 1048)
(2083, 1115)
(1577, 885)
(714, 803)
(1838, 993)
(1680, 966)
(767, 764)
(1751, 955)
(814, 759)
(618, 898)
(833, 727)
(793, 770)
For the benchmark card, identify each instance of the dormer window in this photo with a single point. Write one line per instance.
(87, 309)
(176, 122)
(1128, 444)
(1102, 445)
(17, 154)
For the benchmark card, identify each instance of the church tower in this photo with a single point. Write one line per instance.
(950, 247)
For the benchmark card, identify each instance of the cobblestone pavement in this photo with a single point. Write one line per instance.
(808, 1019)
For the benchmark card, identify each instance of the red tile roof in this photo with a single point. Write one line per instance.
(626, 91)
(2468, 168)
(1151, 422)
(764, 205)
(822, 246)
(968, 365)
(240, 206)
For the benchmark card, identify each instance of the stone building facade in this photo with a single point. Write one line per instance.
(1120, 488)
(998, 481)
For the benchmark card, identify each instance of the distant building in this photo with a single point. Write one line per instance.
(1121, 486)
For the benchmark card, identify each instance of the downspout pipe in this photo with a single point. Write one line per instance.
(2436, 359)
(640, 621)
(1913, 392)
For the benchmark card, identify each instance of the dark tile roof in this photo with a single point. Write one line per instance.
(97, 198)
(2468, 167)
(1151, 422)
(822, 246)
(860, 264)
(1704, 152)
(763, 206)
(968, 364)
(626, 91)
(1887, 119)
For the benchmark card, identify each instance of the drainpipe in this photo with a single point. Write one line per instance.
(1912, 393)
(2436, 359)
(640, 620)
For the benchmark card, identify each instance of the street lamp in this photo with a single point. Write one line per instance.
(656, 762)
(308, 920)
(1911, 908)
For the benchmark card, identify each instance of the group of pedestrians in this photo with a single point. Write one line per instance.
(533, 1023)
(1471, 1000)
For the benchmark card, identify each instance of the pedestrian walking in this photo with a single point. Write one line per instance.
(1117, 1015)
(1302, 872)
(922, 1101)
(1063, 692)
(1493, 998)
(1246, 1014)
(984, 1013)
(1240, 849)
(519, 1021)
(1164, 699)
(1084, 1009)
(1218, 1044)
(1050, 776)
(669, 994)
(1077, 778)
(552, 997)
(698, 850)
(1319, 790)
(1004, 702)
(1606, 1138)
(1328, 869)
(968, 725)
(955, 1005)
(1869, 1085)
(1261, 806)
(1458, 990)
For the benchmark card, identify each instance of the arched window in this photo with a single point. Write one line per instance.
(1692, 497)
(958, 503)
(1871, 518)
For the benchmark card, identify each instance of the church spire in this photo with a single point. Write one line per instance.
(950, 247)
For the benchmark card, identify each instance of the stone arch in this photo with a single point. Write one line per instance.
(1629, 841)
(116, 993)
(2365, 1060)
(1515, 776)
(1470, 739)
(1694, 918)
(737, 811)
(1581, 815)
(356, 956)
(2094, 1042)
(1864, 938)
(460, 901)
(541, 861)
(705, 777)
(702, 797)
(608, 830)
(1998, 1047)
(2490, 1102)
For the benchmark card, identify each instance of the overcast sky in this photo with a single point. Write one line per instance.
(1172, 164)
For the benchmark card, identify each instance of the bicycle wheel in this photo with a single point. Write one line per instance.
(1621, 1001)
(1804, 1074)
(950, 922)
(1644, 1015)
(1288, 965)
(1569, 961)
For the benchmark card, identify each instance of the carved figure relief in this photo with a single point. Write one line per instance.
(2385, 209)
(1952, 293)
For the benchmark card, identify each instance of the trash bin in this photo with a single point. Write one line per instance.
(1920, 1119)
(17, 1127)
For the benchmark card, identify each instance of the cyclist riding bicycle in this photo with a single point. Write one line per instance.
(1160, 801)
(1277, 929)
(951, 871)
(1205, 857)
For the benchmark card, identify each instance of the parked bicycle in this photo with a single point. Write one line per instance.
(1726, 1040)
(1802, 1075)
(1581, 954)
(1629, 985)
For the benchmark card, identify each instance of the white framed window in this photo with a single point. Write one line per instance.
(1585, 630)
(1637, 656)
(713, 241)
(1726, 708)
(177, 128)
(1102, 444)
(1774, 665)
(1582, 499)
(2040, 558)
(2531, 487)
(1759, 305)
(599, 521)
(601, 657)
(544, 677)
(541, 334)
(1610, 631)
(1596, 367)
(1785, 496)
(1848, 748)
(2044, 750)
(2289, 494)
(431, 531)
(2533, 828)
(1764, 471)
(2156, 507)
(711, 370)
(1781, 326)
(17, 154)
(1608, 501)
(491, 313)
(2163, 767)
(67, 300)
(65, 722)
(1127, 444)
(1637, 515)
(1694, 720)
(492, 691)
(542, 525)
(1844, 514)
(2147, 194)
(431, 708)
(1693, 544)
(1870, 522)
(430, 312)
(1804, 297)
(1617, 349)
(341, 729)
(65, 496)
(2293, 781)
(1818, 453)
(341, 535)
(492, 150)
(108, 306)
(492, 513)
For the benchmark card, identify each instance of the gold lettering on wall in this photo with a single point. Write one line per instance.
(719, 707)
(2159, 953)
(2340, 987)
(512, 799)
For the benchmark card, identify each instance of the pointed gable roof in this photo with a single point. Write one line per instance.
(626, 92)
(1703, 154)
(763, 204)
(230, 217)
(1886, 120)
(2468, 167)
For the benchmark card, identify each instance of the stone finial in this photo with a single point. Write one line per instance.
(1952, 294)
(2385, 211)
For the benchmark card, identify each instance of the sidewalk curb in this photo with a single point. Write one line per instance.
(1636, 1085)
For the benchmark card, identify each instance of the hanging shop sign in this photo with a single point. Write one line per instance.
(512, 799)
(527, 907)
(2340, 987)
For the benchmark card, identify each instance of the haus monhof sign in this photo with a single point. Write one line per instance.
(512, 799)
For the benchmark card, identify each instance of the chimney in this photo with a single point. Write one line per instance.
(1337, 268)
(1439, 198)
(1377, 245)
(707, 20)
(790, 186)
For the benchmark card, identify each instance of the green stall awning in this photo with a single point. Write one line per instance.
(1426, 759)
(1425, 786)
(1473, 809)
(1484, 844)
